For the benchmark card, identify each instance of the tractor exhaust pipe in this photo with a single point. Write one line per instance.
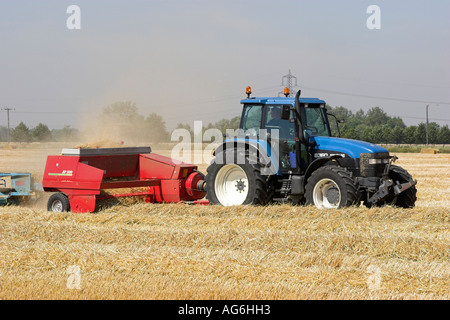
(300, 137)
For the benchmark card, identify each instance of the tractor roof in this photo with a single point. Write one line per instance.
(282, 100)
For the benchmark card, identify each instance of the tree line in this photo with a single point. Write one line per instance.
(124, 120)
(377, 127)
(40, 133)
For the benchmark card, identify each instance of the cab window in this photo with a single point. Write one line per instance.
(273, 121)
(251, 119)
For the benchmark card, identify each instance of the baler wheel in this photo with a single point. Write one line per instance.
(58, 202)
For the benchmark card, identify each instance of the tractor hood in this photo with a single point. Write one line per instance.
(353, 148)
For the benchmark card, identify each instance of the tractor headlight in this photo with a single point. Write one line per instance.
(373, 164)
(378, 161)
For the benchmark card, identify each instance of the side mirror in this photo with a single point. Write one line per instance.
(307, 134)
(285, 112)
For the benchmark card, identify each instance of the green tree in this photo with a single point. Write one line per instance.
(3, 133)
(41, 133)
(420, 134)
(377, 134)
(396, 122)
(126, 111)
(65, 134)
(386, 134)
(125, 121)
(376, 116)
(361, 132)
(444, 135)
(409, 134)
(156, 128)
(397, 135)
(366, 133)
(186, 127)
(224, 124)
(21, 133)
(340, 112)
(360, 114)
(433, 133)
(349, 133)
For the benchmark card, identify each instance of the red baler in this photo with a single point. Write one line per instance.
(79, 175)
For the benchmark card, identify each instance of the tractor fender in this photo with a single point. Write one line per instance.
(316, 164)
(253, 152)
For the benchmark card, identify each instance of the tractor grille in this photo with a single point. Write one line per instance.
(373, 164)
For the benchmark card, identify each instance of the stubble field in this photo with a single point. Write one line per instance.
(135, 250)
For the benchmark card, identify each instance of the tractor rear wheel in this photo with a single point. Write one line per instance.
(58, 202)
(331, 187)
(236, 184)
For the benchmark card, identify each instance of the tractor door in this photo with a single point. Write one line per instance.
(286, 132)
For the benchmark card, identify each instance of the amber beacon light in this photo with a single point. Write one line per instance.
(248, 91)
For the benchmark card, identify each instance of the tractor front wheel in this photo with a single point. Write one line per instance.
(406, 199)
(331, 187)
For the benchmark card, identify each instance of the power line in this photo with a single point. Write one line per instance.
(376, 97)
(52, 112)
(289, 80)
(422, 118)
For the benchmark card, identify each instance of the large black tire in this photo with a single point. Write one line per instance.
(406, 199)
(331, 187)
(58, 202)
(244, 185)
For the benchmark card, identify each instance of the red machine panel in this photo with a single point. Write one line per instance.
(62, 172)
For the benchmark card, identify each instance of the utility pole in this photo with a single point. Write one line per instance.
(289, 81)
(427, 123)
(7, 112)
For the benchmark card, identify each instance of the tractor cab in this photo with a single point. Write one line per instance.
(277, 119)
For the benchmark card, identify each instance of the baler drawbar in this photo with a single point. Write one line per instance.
(79, 175)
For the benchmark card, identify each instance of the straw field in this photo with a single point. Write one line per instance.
(135, 250)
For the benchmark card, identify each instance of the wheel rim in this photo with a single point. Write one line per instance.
(326, 194)
(57, 206)
(231, 185)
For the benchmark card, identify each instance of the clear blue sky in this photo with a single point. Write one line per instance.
(191, 60)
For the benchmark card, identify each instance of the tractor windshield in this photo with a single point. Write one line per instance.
(316, 121)
(251, 119)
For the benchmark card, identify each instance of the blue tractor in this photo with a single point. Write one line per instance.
(284, 151)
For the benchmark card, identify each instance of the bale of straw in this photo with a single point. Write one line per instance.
(100, 144)
(429, 151)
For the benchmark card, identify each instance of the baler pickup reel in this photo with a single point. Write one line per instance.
(79, 175)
